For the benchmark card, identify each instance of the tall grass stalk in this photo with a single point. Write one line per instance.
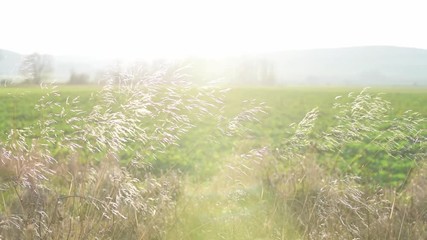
(355, 180)
(91, 180)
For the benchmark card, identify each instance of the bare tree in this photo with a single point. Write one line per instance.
(36, 67)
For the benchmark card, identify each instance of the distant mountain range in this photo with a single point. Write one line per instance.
(364, 66)
(375, 65)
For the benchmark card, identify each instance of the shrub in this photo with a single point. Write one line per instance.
(76, 78)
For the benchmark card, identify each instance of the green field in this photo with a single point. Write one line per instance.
(250, 180)
(283, 106)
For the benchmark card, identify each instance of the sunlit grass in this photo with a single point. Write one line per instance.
(228, 167)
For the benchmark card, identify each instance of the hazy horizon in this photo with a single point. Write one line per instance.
(79, 56)
(173, 29)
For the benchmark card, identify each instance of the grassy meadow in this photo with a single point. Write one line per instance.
(176, 162)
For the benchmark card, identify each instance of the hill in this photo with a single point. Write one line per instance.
(9, 63)
(375, 65)
(362, 66)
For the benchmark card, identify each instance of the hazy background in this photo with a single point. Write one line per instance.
(268, 42)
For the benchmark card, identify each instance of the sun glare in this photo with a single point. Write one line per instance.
(148, 29)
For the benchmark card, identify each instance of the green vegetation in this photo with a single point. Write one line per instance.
(168, 161)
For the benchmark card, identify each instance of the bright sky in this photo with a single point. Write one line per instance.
(173, 28)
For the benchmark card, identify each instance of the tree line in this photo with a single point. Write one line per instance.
(36, 68)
